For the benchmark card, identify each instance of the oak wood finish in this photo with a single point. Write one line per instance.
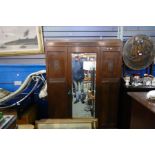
(125, 103)
(59, 105)
(142, 111)
(108, 43)
(108, 73)
(111, 61)
(141, 98)
(108, 107)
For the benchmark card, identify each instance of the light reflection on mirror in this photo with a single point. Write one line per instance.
(83, 84)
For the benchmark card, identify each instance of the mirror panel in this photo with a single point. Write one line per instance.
(83, 84)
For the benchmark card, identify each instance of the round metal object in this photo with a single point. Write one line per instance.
(138, 52)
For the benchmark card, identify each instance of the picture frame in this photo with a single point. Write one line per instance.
(21, 40)
(73, 123)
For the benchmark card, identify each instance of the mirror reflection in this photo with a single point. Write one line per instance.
(83, 84)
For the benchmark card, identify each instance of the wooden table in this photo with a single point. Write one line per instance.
(125, 103)
(142, 114)
(9, 122)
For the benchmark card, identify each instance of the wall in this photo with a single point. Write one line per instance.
(10, 73)
(79, 32)
(129, 31)
(64, 32)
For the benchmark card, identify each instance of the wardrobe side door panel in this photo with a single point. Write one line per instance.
(56, 64)
(58, 100)
(109, 108)
(57, 83)
(110, 73)
(111, 64)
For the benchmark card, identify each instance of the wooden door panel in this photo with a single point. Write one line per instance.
(108, 107)
(56, 64)
(58, 107)
(111, 64)
(58, 102)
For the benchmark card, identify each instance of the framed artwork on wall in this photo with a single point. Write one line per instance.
(20, 40)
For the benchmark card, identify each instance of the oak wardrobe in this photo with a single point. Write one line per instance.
(83, 79)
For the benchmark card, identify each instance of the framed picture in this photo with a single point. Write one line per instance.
(20, 40)
(75, 123)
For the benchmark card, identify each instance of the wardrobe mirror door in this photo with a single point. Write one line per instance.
(83, 84)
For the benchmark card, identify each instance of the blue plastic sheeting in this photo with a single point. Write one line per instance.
(15, 72)
(130, 72)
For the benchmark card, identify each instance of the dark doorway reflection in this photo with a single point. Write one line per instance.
(83, 84)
